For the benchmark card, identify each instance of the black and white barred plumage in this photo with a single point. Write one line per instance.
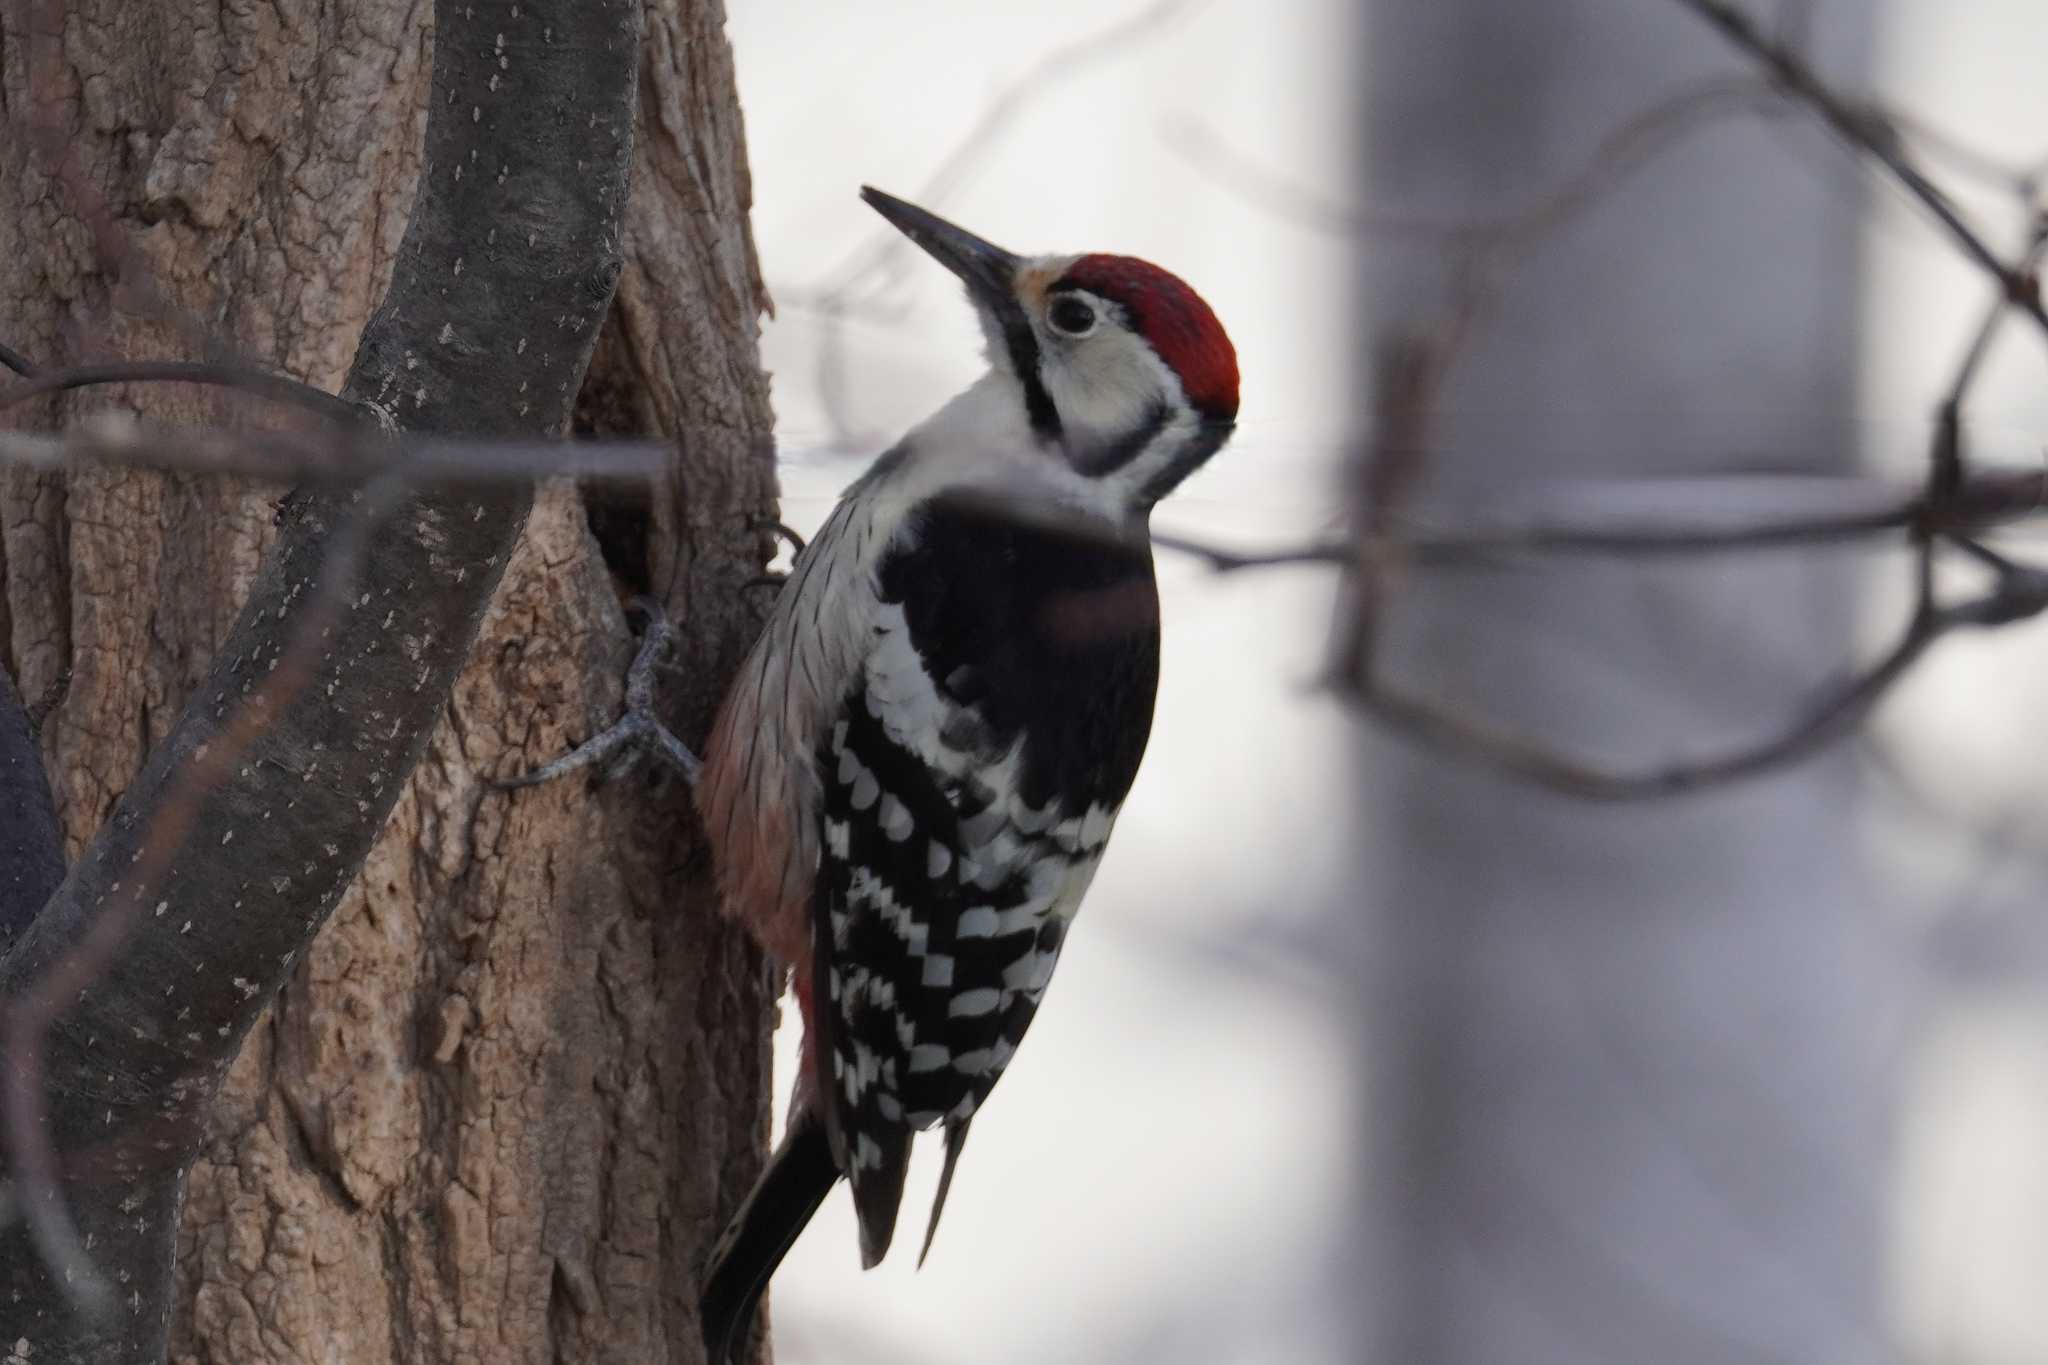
(970, 783)
(916, 772)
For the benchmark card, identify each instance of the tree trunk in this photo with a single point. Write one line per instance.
(505, 1097)
(1623, 1099)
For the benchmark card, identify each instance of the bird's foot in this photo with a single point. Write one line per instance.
(638, 732)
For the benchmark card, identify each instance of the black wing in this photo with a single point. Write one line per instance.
(970, 781)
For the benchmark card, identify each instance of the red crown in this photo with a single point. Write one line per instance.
(1182, 329)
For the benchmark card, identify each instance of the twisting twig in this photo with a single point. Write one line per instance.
(1824, 720)
(1052, 67)
(2019, 593)
(1947, 466)
(877, 261)
(1867, 130)
(1408, 367)
(1620, 518)
(263, 383)
(328, 459)
(2021, 180)
(1623, 150)
(1629, 518)
(1950, 502)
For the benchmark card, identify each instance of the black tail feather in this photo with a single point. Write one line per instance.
(956, 1138)
(799, 1176)
(878, 1189)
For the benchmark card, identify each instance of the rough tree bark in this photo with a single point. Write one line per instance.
(499, 1105)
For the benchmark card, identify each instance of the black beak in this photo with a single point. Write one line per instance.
(989, 272)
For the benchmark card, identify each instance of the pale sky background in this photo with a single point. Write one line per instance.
(1972, 1172)
(1163, 1153)
(1160, 1174)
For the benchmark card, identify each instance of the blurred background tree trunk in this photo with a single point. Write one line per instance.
(506, 1096)
(1623, 1100)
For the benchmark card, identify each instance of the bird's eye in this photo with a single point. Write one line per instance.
(1072, 316)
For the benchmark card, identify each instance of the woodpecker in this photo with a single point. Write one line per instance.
(913, 778)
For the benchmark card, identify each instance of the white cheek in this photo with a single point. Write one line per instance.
(1106, 388)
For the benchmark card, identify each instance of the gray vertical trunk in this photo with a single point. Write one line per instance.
(1621, 1094)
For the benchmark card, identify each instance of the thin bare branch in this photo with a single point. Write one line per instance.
(1621, 518)
(1623, 150)
(267, 384)
(1051, 69)
(877, 261)
(1446, 729)
(1951, 503)
(1866, 129)
(327, 459)
(2019, 593)
(2022, 180)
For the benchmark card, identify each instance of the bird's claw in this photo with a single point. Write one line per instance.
(782, 532)
(638, 732)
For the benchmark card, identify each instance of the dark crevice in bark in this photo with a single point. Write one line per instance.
(302, 1142)
(8, 662)
(397, 1288)
(621, 520)
(621, 517)
(31, 849)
